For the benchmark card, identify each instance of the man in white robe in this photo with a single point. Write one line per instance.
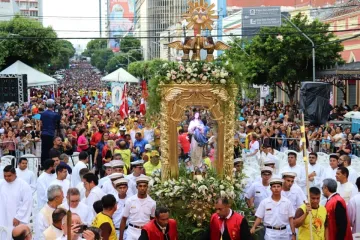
(80, 185)
(345, 188)
(75, 176)
(61, 173)
(78, 207)
(15, 200)
(300, 178)
(25, 174)
(43, 182)
(55, 197)
(95, 193)
(353, 210)
(353, 175)
(54, 230)
(330, 172)
(315, 171)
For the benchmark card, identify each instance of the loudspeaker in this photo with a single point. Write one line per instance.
(13, 88)
(314, 101)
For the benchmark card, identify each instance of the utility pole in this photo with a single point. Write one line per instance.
(100, 28)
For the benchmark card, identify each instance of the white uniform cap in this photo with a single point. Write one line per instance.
(121, 181)
(107, 165)
(138, 162)
(289, 174)
(123, 128)
(267, 169)
(237, 160)
(148, 147)
(116, 175)
(117, 163)
(269, 160)
(142, 179)
(276, 181)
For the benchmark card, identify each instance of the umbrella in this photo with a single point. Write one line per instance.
(352, 114)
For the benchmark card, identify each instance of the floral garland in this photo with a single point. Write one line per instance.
(194, 72)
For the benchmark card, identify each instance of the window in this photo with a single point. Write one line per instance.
(353, 22)
(341, 25)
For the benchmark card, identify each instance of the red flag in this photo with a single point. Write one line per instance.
(124, 108)
(142, 107)
(144, 89)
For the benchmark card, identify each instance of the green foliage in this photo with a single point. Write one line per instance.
(94, 45)
(271, 59)
(100, 58)
(129, 43)
(192, 202)
(66, 51)
(122, 59)
(36, 50)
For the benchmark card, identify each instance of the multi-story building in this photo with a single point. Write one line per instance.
(8, 9)
(154, 16)
(31, 8)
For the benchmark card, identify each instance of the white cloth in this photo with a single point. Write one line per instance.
(15, 202)
(132, 190)
(317, 182)
(196, 152)
(75, 176)
(43, 183)
(85, 213)
(64, 184)
(1, 172)
(82, 190)
(138, 212)
(108, 188)
(347, 191)
(259, 192)
(300, 179)
(353, 175)
(295, 195)
(28, 176)
(275, 214)
(118, 214)
(43, 221)
(353, 210)
(149, 135)
(330, 173)
(52, 231)
(102, 181)
(95, 195)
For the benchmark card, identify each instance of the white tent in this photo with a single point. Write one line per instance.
(120, 75)
(34, 77)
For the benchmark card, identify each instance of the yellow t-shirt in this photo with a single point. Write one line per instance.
(149, 168)
(101, 219)
(318, 224)
(125, 155)
(207, 162)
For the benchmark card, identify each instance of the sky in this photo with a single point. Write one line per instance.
(69, 17)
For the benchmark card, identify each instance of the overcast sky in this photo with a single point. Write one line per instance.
(69, 17)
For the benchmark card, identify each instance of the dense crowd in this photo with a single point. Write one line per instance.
(97, 162)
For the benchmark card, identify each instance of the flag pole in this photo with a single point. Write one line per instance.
(68, 217)
(305, 157)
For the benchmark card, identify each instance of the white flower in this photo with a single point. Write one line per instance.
(204, 78)
(222, 187)
(194, 75)
(192, 80)
(195, 70)
(168, 74)
(188, 70)
(222, 81)
(237, 185)
(166, 184)
(202, 188)
(173, 77)
(157, 179)
(228, 178)
(164, 65)
(222, 194)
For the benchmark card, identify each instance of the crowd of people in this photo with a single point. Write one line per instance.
(106, 190)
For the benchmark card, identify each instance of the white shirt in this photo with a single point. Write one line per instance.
(259, 192)
(353, 175)
(85, 213)
(102, 181)
(15, 202)
(108, 188)
(138, 211)
(300, 179)
(28, 176)
(330, 173)
(82, 190)
(43, 221)
(317, 182)
(75, 176)
(295, 195)
(43, 183)
(346, 191)
(353, 211)
(64, 184)
(95, 195)
(132, 190)
(254, 146)
(118, 214)
(51, 230)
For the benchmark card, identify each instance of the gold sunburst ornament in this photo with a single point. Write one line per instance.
(200, 15)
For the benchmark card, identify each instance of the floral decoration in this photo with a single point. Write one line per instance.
(194, 72)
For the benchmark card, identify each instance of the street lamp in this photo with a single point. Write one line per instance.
(280, 38)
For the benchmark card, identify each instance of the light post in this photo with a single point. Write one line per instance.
(307, 37)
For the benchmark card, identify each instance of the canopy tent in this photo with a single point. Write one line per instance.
(34, 77)
(120, 75)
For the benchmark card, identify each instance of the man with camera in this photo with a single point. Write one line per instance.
(78, 231)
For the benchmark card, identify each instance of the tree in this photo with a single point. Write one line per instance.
(66, 51)
(129, 42)
(94, 45)
(123, 59)
(100, 58)
(28, 41)
(286, 61)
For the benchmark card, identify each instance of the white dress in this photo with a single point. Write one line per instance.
(195, 151)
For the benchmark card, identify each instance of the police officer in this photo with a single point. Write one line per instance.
(137, 171)
(276, 212)
(292, 191)
(139, 209)
(121, 186)
(258, 191)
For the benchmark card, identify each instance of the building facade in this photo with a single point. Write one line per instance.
(8, 9)
(31, 8)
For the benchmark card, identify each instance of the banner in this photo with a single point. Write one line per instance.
(121, 20)
(116, 93)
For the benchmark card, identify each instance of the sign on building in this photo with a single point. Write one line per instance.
(261, 17)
